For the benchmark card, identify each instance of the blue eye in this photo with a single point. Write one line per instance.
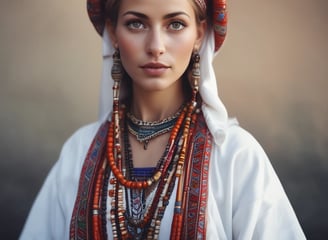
(177, 25)
(135, 25)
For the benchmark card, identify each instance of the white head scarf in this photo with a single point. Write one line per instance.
(213, 109)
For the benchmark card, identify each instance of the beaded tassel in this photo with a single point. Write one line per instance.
(115, 163)
(96, 210)
(114, 148)
(195, 76)
(175, 159)
(176, 230)
(117, 76)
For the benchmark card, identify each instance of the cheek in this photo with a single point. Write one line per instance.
(128, 49)
(183, 49)
(126, 46)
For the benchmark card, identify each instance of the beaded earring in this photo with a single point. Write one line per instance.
(116, 73)
(117, 76)
(117, 66)
(195, 75)
(191, 115)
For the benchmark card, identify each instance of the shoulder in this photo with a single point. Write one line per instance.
(240, 144)
(67, 171)
(238, 136)
(81, 137)
(78, 143)
(74, 151)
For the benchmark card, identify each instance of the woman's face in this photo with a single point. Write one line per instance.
(156, 39)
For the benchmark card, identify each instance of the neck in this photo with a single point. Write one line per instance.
(157, 105)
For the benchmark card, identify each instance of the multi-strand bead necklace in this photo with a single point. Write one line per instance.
(171, 167)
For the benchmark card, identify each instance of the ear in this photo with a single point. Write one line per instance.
(111, 32)
(201, 30)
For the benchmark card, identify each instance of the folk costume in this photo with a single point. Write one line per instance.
(213, 181)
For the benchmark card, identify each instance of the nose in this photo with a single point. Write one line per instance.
(155, 42)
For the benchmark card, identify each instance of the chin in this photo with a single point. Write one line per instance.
(155, 85)
(156, 88)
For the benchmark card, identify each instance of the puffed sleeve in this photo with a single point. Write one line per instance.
(260, 207)
(246, 199)
(46, 219)
(51, 212)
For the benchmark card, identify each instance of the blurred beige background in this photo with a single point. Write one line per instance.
(272, 74)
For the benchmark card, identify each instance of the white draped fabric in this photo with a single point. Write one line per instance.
(245, 201)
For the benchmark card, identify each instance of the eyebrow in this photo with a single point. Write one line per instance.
(167, 16)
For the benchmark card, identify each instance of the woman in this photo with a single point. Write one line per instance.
(163, 161)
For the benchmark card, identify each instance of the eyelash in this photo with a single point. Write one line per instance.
(182, 25)
(131, 25)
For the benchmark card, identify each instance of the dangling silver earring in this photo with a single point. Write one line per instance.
(195, 74)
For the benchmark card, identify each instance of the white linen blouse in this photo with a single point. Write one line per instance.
(245, 200)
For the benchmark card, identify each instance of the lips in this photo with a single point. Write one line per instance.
(155, 65)
(154, 68)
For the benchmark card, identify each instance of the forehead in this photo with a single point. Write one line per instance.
(156, 7)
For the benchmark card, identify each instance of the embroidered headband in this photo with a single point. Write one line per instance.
(96, 11)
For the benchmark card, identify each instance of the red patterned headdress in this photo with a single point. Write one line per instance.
(96, 11)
